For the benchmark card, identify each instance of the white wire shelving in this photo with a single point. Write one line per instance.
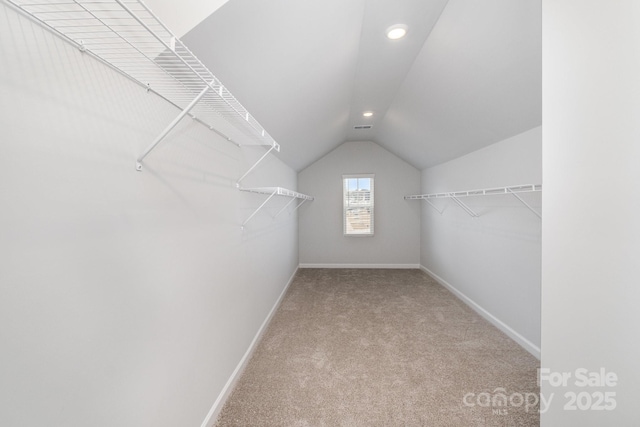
(275, 191)
(128, 37)
(456, 195)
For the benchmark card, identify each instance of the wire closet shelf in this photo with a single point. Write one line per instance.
(127, 36)
(455, 195)
(275, 191)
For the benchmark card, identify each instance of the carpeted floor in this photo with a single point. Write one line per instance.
(382, 348)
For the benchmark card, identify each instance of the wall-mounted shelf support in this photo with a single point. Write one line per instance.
(464, 207)
(455, 196)
(258, 209)
(287, 205)
(524, 203)
(434, 206)
(275, 146)
(271, 192)
(169, 128)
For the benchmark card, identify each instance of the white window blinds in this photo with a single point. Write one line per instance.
(357, 205)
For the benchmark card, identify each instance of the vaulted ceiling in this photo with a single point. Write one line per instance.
(467, 74)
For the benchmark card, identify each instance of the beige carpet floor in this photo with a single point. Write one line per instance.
(360, 347)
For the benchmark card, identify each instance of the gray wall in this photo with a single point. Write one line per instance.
(396, 242)
(591, 233)
(492, 261)
(126, 298)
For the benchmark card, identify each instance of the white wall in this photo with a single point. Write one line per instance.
(126, 298)
(492, 261)
(181, 17)
(591, 233)
(396, 242)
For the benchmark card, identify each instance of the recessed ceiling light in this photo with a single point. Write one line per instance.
(397, 31)
(367, 114)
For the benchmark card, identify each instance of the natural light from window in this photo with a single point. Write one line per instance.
(357, 205)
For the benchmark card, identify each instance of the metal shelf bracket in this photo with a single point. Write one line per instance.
(271, 192)
(258, 209)
(287, 205)
(169, 128)
(524, 203)
(426, 198)
(466, 208)
(434, 206)
(275, 146)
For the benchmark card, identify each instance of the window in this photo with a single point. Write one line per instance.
(357, 201)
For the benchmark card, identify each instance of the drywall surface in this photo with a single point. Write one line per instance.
(181, 17)
(591, 233)
(492, 259)
(126, 298)
(396, 241)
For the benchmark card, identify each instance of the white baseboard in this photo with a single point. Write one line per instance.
(522, 341)
(400, 266)
(235, 376)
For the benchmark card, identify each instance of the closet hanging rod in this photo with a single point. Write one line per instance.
(129, 38)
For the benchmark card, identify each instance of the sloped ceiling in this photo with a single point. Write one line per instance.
(467, 74)
(182, 16)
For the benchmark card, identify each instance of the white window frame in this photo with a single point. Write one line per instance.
(346, 206)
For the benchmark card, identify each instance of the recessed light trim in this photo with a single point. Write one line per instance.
(367, 113)
(396, 32)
